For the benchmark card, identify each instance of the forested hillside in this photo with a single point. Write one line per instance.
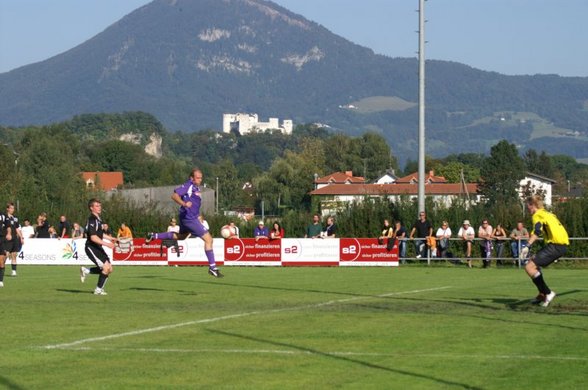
(189, 61)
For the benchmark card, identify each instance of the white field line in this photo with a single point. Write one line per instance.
(332, 353)
(229, 317)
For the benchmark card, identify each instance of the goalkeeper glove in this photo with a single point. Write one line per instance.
(524, 253)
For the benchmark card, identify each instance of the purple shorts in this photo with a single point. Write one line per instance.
(192, 226)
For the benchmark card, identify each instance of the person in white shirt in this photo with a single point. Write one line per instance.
(467, 234)
(173, 226)
(28, 231)
(443, 235)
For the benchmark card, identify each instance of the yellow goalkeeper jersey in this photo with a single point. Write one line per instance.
(553, 230)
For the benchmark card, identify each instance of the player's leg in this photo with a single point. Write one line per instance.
(103, 267)
(197, 229)
(161, 236)
(2, 261)
(543, 258)
(13, 261)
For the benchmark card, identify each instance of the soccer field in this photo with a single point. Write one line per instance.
(280, 328)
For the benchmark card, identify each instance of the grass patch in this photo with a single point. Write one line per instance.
(289, 328)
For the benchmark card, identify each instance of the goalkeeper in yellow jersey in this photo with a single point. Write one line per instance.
(556, 240)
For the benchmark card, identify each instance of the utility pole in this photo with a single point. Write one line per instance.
(421, 175)
(217, 195)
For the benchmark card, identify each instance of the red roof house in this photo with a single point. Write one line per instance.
(105, 181)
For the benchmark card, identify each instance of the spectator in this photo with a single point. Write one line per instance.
(63, 227)
(500, 238)
(485, 234)
(106, 229)
(27, 230)
(277, 231)
(467, 234)
(77, 231)
(443, 235)
(387, 235)
(400, 235)
(173, 226)
(42, 228)
(330, 230)
(124, 231)
(260, 232)
(203, 222)
(423, 229)
(53, 232)
(519, 237)
(235, 229)
(315, 228)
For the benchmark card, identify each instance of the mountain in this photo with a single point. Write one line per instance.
(189, 61)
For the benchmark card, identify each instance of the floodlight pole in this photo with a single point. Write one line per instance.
(421, 175)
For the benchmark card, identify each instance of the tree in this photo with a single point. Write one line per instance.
(453, 170)
(501, 174)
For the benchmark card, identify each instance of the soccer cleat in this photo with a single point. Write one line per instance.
(149, 238)
(83, 272)
(100, 291)
(215, 272)
(1, 284)
(548, 298)
(538, 299)
(13, 273)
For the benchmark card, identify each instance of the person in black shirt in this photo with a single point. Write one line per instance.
(94, 243)
(42, 228)
(330, 230)
(3, 230)
(63, 227)
(423, 229)
(13, 244)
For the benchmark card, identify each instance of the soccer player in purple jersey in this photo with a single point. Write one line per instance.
(188, 197)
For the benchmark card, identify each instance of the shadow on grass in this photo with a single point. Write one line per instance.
(6, 383)
(256, 286)
(183, 292)
(74, 291)
(424, 305)
(289, 289)
(347, 359)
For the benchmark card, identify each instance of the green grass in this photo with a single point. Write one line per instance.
(290, 328)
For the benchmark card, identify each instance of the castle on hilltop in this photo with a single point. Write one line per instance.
(249, 123)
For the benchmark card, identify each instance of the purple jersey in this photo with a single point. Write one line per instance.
(189, 192)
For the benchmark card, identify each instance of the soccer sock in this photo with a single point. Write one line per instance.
(164, 236)
(210, 257)
(2, 274)
(102, 281)
(540, 283)
(14, 267)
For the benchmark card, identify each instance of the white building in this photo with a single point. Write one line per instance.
(249, 123)
(537, 183)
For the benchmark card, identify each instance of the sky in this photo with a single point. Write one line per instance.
(512, 37)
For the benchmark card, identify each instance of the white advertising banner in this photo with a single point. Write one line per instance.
(293, 252)
(53, 251)
(310, 252)
(191, 252)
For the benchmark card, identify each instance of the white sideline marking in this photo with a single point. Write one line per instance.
(333, 353)
(228, 317)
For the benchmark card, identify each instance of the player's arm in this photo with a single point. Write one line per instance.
(535, 233)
